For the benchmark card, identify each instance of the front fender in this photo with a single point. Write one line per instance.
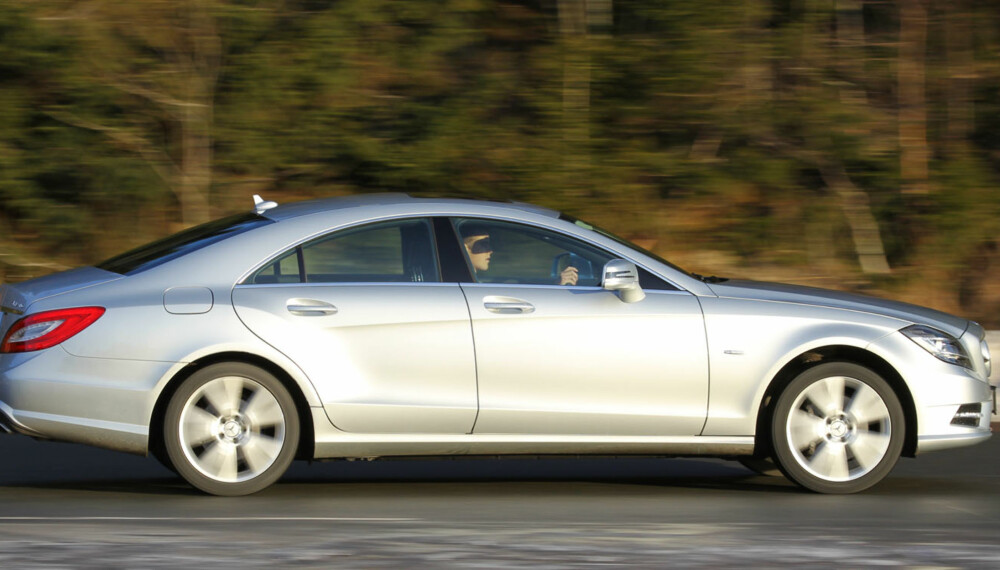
(750, 342)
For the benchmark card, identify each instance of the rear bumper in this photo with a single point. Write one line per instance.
(9, 425)
(6, 424)
(52, 394)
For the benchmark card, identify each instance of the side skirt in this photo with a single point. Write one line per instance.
(334, 444)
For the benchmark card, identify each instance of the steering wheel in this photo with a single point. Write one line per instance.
(566, 259)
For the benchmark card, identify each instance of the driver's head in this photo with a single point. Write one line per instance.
(477, 244)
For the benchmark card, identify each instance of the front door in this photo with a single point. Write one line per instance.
(557, 354)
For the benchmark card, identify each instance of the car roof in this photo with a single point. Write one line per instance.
(296, 209)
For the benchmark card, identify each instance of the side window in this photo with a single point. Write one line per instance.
(651, 282)
(285, 269)
(505, 252)
(387, 252)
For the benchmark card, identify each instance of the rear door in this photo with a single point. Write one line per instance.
(364, 313)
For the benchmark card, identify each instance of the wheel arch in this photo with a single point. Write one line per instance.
(834, 353)
(307, 439)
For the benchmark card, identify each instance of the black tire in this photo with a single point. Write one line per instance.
(761, 465)
(231, 429)
(159, 451)
(837, 428)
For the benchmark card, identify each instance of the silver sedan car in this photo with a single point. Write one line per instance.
(387, 326)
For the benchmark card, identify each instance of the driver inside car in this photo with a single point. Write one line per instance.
(477, 245)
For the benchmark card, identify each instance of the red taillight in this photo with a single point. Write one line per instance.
(45, 330)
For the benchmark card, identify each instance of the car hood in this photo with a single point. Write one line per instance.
(780, 292)
(18, 297)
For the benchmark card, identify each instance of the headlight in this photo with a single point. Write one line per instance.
(942, 345)
(986, 358)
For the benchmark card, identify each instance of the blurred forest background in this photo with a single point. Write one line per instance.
(852, 144)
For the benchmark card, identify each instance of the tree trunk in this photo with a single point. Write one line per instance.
(200, 68)
(914, 153)
(854, 202)
(850, 42)
(959, 30)
(577, 21)
(195, 173)
(576, 94)
(857, 210)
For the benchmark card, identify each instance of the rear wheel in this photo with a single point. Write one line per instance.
(231, 429)
(837, 428)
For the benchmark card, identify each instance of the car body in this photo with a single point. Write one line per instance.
(362, 327)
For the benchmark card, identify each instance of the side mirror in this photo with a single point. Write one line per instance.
(623, 277)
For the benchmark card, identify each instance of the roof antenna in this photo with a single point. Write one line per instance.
(261, 205)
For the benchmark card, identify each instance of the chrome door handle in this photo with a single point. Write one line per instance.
(310, 308)
(509, 307)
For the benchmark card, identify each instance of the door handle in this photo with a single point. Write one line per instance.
(310, 308)
(505, 306)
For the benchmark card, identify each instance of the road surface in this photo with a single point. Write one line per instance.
(68, 506)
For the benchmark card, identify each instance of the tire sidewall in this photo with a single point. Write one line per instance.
(175, 448)
(785, 456)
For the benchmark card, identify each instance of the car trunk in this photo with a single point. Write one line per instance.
(16, 299)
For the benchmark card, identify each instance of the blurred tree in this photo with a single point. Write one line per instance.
(160, 61)
(45, 185)
(821, 139)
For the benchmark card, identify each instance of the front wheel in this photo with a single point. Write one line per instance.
(761, 465)
(837, 428)
(231, 429)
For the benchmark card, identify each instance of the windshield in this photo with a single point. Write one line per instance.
(621, 241)
(180, 244)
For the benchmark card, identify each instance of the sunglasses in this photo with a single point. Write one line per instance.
(481, 246)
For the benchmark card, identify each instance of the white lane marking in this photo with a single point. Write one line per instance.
(212, 519)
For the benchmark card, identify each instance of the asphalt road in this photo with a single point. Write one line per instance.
(67, 506)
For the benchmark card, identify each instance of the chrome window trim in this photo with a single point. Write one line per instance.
(564, 287)
(447, 284)
(429, 216)
(350, 284)
(329, 232)
(571, 236)
(534, 286)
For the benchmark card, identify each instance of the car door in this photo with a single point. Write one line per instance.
(364, 313)
(558, 358)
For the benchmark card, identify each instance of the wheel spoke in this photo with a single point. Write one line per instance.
(804, 429)
(830, 461)
(827, 394)
(198, 427)
(225, 394)
(263, 409)
(219, 460)
(869, 448)
(867, 406)
(260, 452)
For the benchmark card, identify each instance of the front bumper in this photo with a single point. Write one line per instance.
(939, 391)
(962, 434)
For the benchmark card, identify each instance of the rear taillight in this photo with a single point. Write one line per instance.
(47, 329)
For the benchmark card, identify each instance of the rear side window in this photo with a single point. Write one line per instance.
(387, 252)
(183, 243)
